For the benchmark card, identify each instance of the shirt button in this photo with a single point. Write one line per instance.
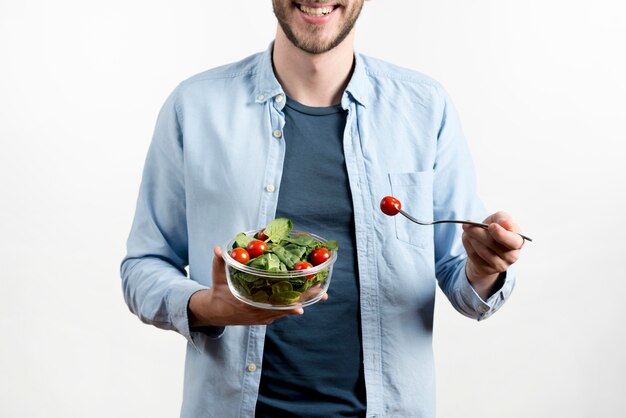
(483, 309)
(260, 97)
(279, 98)
(270, 188)
(251, 367)
(278, 133)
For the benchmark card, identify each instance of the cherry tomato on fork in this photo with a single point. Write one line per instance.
(390, 205)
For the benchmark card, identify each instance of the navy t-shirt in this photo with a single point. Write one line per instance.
(313, 363)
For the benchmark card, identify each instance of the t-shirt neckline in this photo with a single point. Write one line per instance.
(313, 110)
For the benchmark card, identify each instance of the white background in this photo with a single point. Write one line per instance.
(540, 87)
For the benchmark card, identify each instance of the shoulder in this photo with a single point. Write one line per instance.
(381, 70)
(235, 79)
(225, 76)
(391, 78)
(400, 86)
(242, 68)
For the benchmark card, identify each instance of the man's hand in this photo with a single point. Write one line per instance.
(218, 307)
(491, 251)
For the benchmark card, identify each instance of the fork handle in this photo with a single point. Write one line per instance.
(478, 224)
(454, 221)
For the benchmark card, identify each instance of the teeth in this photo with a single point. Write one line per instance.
(316, 11)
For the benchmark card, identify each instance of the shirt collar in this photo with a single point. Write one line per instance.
(358, 89)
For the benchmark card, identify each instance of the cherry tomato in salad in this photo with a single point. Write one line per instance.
(303, 265)
(256, 247)
(319, 255)
(390, 205)
(240, 255)
(261, 235)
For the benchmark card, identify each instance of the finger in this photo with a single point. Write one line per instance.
(479, 234)
(509, 253)
(469, 249)
(489, 258)
(508, 224)
(496, 237)
(505, 237)
(297, 311)
(501, 217)
(267, 320)
(276, 314)
(481, 267)
(219, 275)
(506, 221)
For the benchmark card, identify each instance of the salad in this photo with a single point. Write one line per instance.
(270, 265)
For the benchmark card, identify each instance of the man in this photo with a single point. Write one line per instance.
(311, 131)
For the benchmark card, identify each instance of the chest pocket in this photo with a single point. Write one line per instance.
(415, 192)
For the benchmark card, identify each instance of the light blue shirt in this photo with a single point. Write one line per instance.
(214, 168)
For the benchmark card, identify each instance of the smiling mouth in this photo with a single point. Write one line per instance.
(316, 11)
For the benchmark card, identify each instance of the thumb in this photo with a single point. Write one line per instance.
(504, 220)
(219, 275)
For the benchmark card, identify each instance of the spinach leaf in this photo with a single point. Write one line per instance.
(332, 245)
(260, 296)
(242, 240)
(268, 262)
(278, 229)
(304, 240)
(289, 254)
(285, 298)
(244, 277)
(282, 287)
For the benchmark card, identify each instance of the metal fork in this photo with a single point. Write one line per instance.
(453, 221)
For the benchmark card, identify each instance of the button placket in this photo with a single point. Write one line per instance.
(275, 157)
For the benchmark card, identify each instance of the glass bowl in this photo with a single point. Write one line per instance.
(280, 290)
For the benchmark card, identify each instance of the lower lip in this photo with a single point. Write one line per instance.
(317, 20)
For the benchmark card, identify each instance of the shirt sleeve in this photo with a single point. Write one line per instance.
(154, 280)
(455, 197)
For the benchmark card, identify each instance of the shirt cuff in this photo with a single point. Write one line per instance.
(210, 331)
(196, 333)
(474, 306)
(177, 303)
